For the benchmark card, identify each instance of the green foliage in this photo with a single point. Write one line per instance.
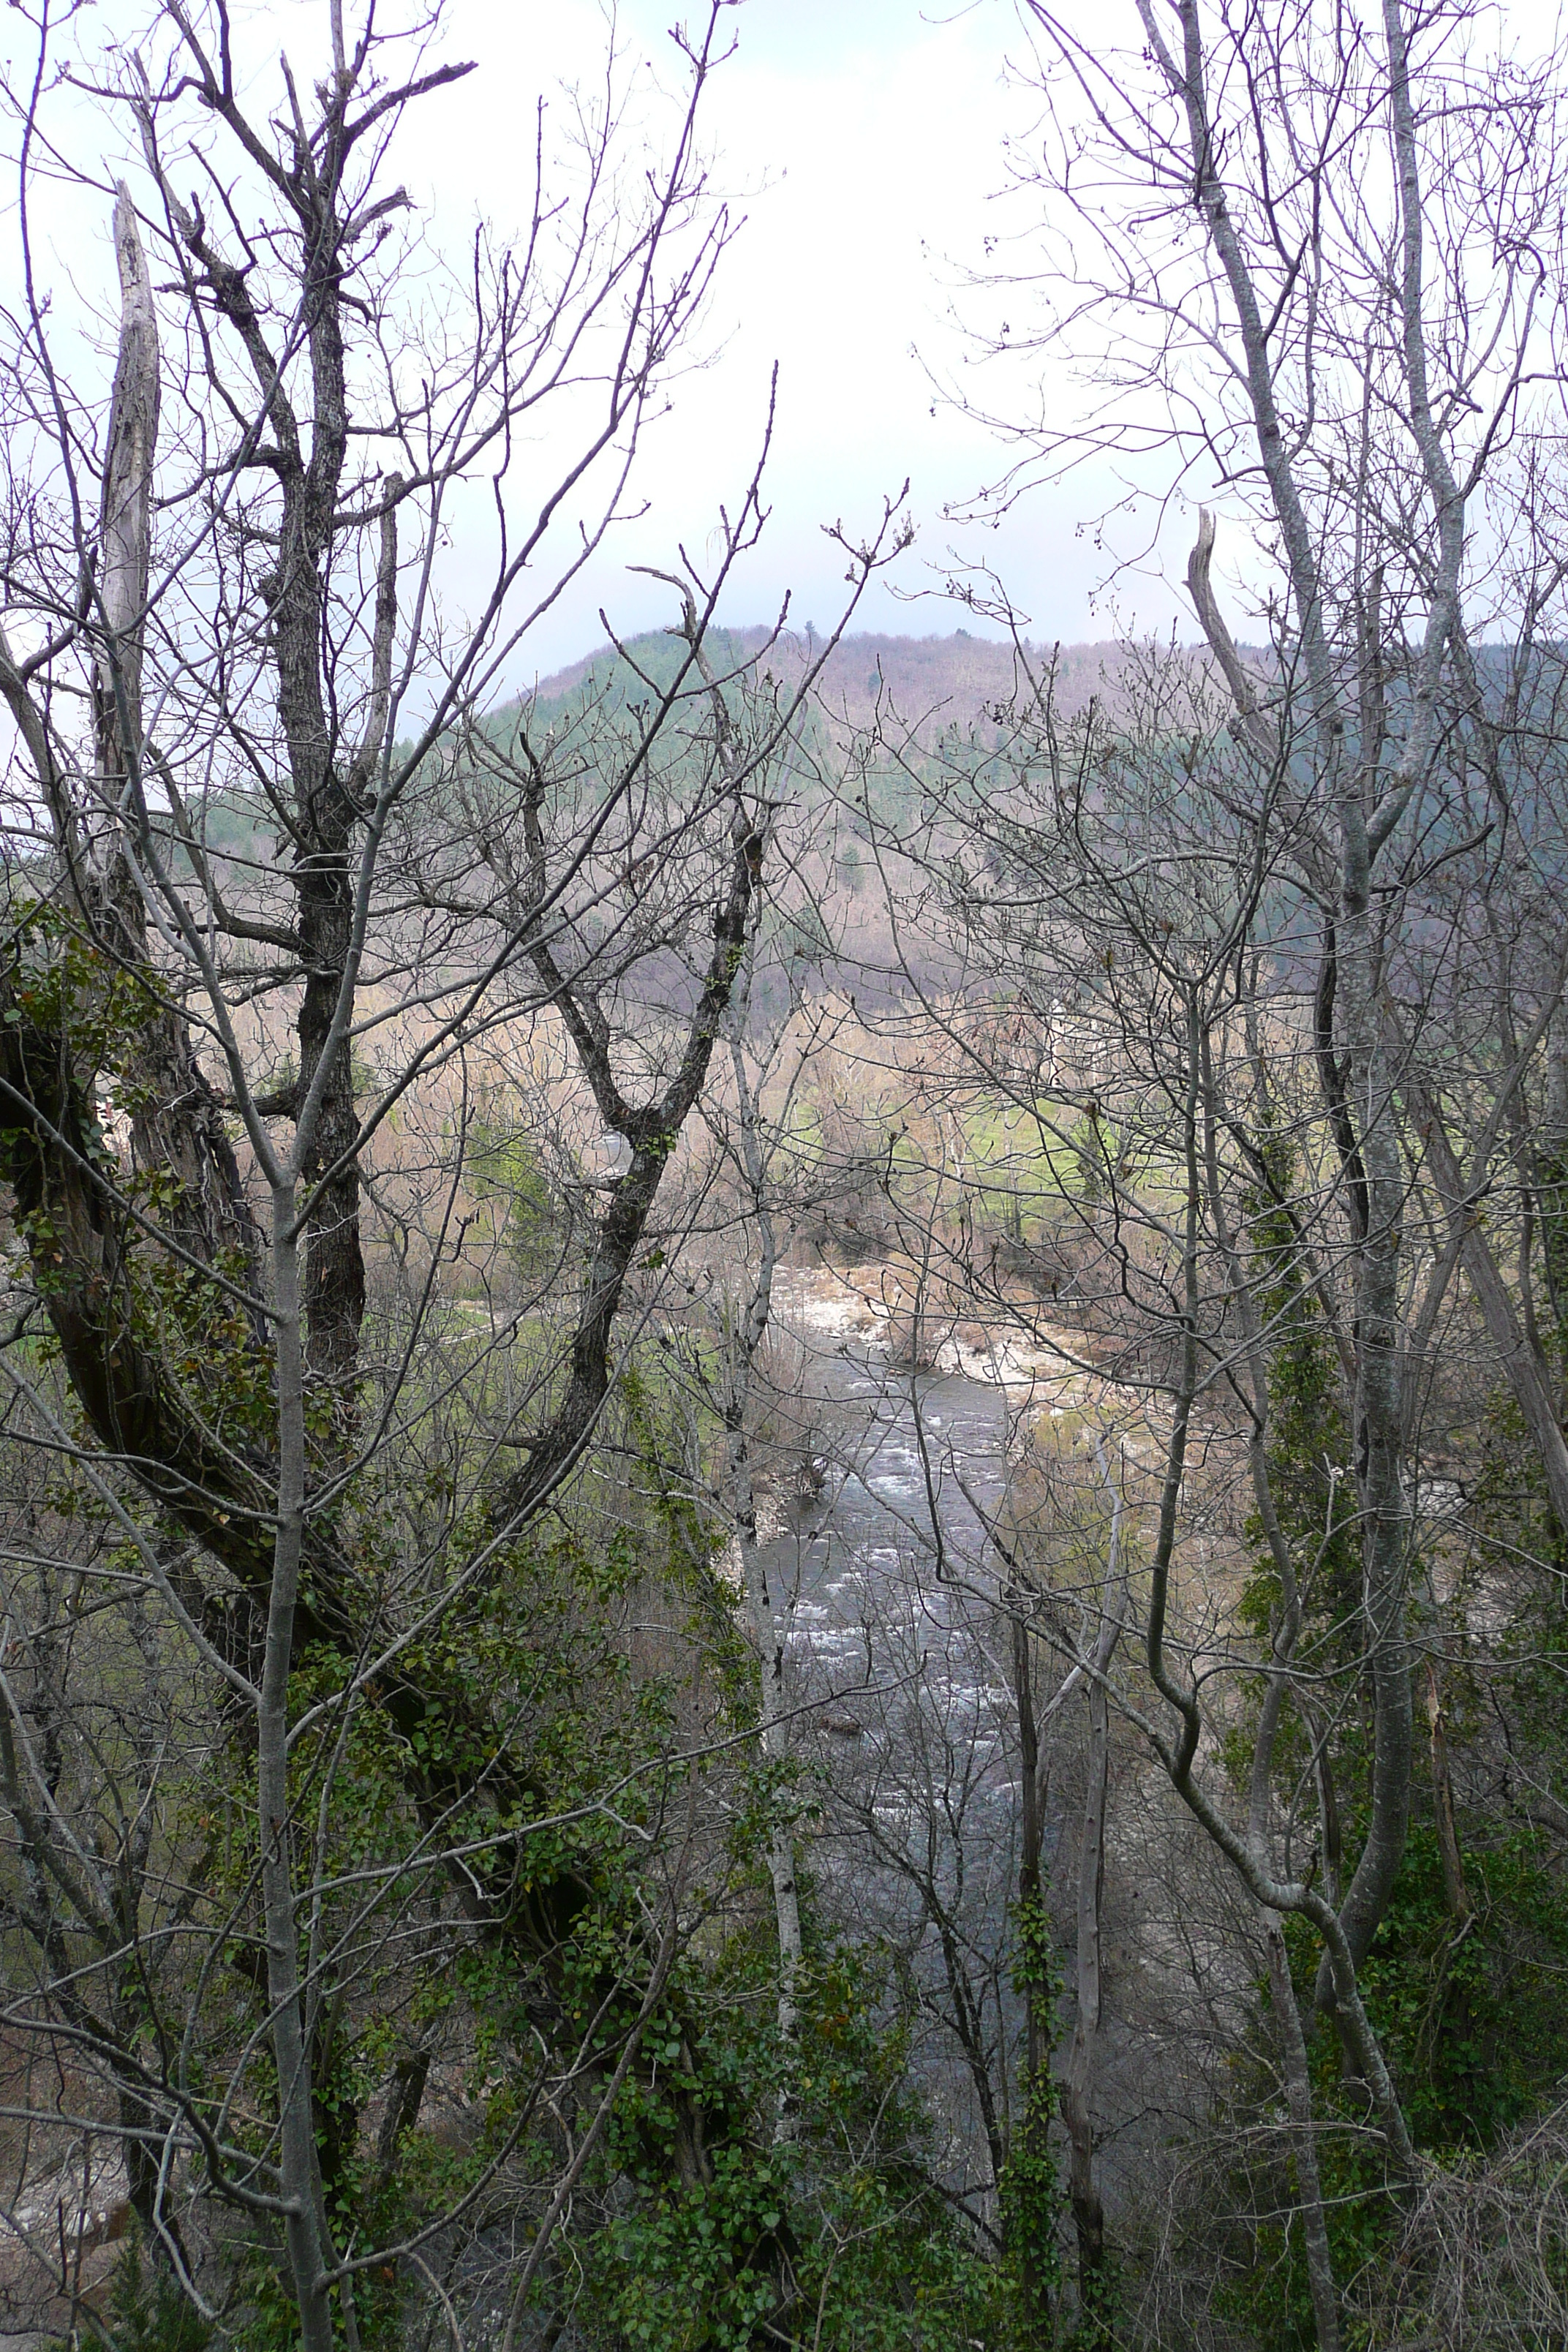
(59, 984)
(1470, 2018)
(79, 1021)
(1308, 1447)
(1467, 2011)
(503, 1164)
(1551, 1201)
(1030, 2196)
(1510, 1513)
(532, 1714)
(148, 2312)
(831, 2233)
(1470, 2011)
(565, 1764)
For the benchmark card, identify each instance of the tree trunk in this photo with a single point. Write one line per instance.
(1030, 2203)
(125, 530)
(769, 1634)
(1456, 1894)
(1299, 2100)
(1087, 2212)
(1378, 1423)
(768, 1624)
(1528, 1375)
(299, 2167)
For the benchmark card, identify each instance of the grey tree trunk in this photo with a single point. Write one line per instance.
(768, 1631)
(1034, 2260)
(1299, 2100)
(1088, 2209)
(299, 2166)
(1378, 1423)
(1528, 1374)
(767, 1620)
(125, 529)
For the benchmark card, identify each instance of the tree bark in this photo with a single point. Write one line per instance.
(1456, 1894)
(768, 1631)
(299, 2166)
(1088, 2210)
(323, 774)
(1035, 2261)
(1378, 1428)
(1527, 1374)
(1299, 2100)
(125, 525)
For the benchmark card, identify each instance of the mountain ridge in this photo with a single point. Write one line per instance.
(956, 678)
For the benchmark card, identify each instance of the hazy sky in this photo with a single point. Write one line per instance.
(863, 141)
(866, 137)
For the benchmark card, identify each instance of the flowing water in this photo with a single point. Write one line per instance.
(891, 1528)
(899, 1669)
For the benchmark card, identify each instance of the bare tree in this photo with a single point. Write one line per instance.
(299, 805)
(1089, 2212)
(1316, 263)
(1113, 869)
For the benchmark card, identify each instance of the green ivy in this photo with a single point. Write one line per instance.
(1030, 2189)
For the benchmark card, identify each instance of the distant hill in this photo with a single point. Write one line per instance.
(926, 683)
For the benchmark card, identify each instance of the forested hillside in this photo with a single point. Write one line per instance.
(783, 1460)
(929, 682)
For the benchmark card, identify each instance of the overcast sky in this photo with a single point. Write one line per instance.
(863, 141)
(868, 135)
